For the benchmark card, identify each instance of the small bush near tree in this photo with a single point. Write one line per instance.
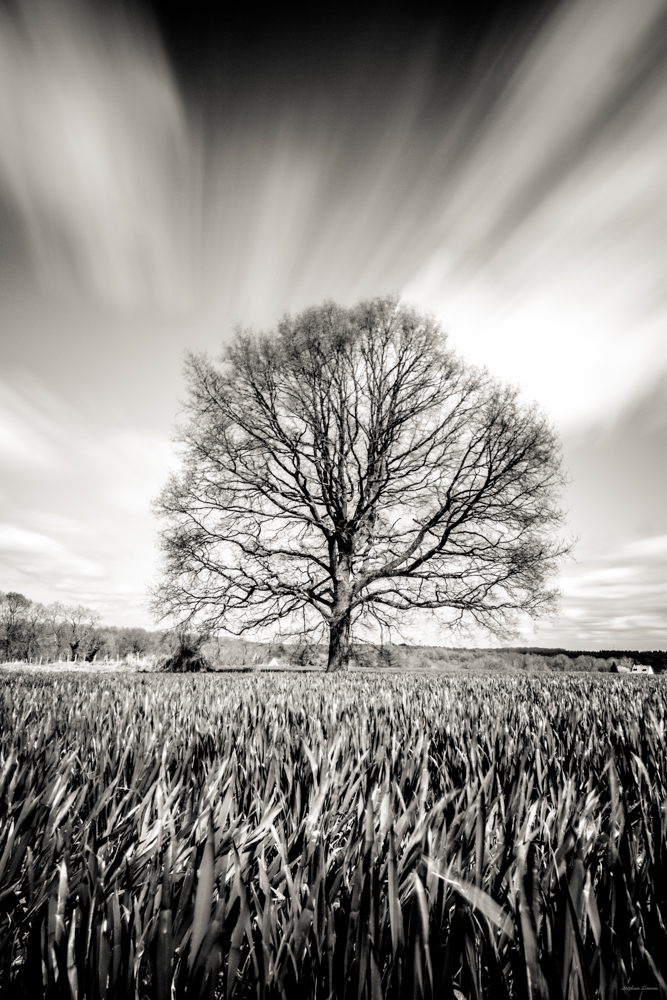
(187, 656)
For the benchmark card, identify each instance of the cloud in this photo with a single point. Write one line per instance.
(617, 581)
(645, 547)
(93, 152)
(78, 527)
(550, 267)
(614, 599)
(22, 432)
(32, 555)
(523, 202)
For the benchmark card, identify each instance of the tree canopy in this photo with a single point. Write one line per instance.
(348, 469)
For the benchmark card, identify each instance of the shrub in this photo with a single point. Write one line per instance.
(188, 657)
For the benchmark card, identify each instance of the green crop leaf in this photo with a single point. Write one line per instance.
(204, 896)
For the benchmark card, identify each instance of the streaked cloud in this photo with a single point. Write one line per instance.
(78, 528)
(651, 547)
(34, 554)
(613, 599)
(528, 212)
(94, 152)
(551, 267)
(23, 432)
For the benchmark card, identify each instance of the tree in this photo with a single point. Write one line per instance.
(56, 623)
(80, 630)
(34, 629)
(13, 611)
(349, 469)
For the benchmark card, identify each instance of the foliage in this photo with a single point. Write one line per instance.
(350, 470)
(370, 836)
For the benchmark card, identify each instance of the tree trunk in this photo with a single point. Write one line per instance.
(339, 642)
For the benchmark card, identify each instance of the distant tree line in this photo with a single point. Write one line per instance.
(47, 633)
(34, 632)
(222, 653)
(656, 658)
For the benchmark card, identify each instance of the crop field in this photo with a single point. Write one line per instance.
(359, 836)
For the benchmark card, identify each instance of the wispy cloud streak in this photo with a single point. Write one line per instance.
(617, 600)
(75, 524)
(94, 152)
(551, 264)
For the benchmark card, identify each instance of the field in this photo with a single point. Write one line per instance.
(362, 836)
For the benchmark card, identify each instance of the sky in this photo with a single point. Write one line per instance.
(168, 171)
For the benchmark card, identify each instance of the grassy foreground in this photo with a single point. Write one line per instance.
(304, 836)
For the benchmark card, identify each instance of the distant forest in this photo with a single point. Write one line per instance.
(655, 658)
(403, 656)
(32, 632)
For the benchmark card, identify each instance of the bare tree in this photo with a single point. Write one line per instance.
(80, 630)
(56, 623)
(13, 610)
(35, 629)
(350, 469)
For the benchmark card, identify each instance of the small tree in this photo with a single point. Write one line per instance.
(348, 470)
(187, 655)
